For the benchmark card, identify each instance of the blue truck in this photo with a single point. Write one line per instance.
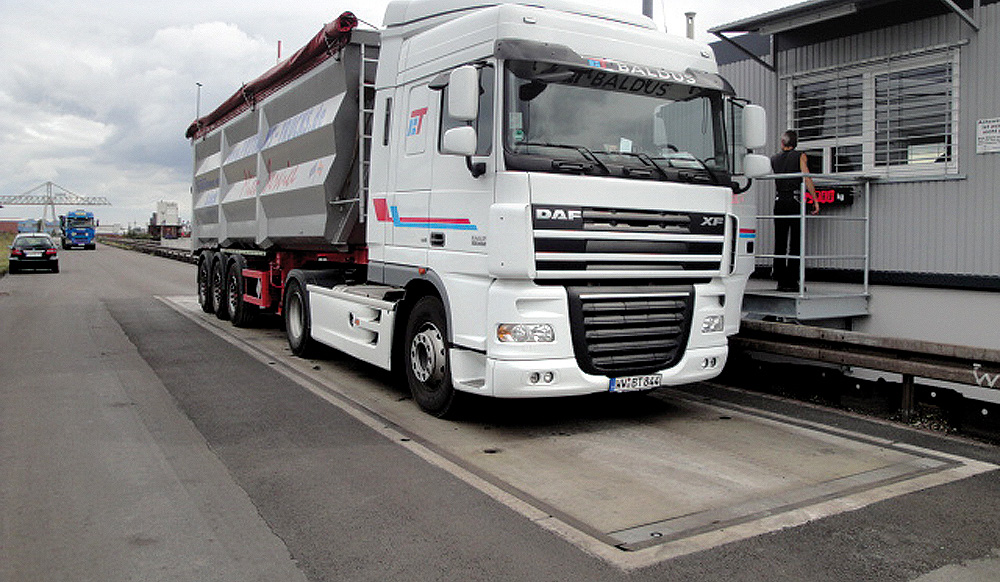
(78, 229)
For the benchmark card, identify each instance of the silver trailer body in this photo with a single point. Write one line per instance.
(285, 173)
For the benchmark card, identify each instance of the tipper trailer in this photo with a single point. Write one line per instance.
(506, 199)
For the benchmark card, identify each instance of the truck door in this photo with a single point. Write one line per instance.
(459, 214)
(460, 202)
(406, 206)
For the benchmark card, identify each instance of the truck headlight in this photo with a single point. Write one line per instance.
(525, 332)
(713, 323)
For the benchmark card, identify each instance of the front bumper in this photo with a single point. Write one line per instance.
(512, 379)
(43, 262)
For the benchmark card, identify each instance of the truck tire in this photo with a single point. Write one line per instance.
(205, 283)
(425, 357)
(298, 326)
(241, 313)
(219, 286)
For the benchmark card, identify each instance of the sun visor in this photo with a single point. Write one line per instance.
(561, 56)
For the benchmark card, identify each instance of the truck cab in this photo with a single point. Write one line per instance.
(561, 179)
(78, 229)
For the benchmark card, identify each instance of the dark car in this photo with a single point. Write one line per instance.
(33, 250)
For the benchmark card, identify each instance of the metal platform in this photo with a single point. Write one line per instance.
(818, 301)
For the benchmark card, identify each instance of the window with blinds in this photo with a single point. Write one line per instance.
(913, 116)
(829, 109)
(891, 117)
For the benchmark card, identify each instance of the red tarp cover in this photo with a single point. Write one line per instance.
(328, 41)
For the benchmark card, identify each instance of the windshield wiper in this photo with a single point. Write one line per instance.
(681, 170)
(586, 153)
(644, 158)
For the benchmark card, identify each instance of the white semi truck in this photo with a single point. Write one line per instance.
(517, 199)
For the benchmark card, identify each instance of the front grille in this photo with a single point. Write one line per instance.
(622, 331)
(611, 219)
(585, 242)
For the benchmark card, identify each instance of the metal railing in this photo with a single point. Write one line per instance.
(966, 365)
(804, 217)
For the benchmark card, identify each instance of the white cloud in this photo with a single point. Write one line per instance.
(110, 121)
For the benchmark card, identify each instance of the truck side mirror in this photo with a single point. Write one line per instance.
(463, 93)
(756, 165)
(459, 141)
(754, 126)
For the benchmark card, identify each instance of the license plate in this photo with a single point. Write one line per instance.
(634, 383)
(33, 254)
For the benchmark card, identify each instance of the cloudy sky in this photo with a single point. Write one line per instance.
(96, 96)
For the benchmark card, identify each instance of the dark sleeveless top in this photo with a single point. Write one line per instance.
(787, 163)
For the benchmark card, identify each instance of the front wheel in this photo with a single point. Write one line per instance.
(427, 368)
(297, 323)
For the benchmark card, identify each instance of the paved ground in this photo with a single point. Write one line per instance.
(135, 444)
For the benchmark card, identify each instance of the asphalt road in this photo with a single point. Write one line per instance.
(136, 444)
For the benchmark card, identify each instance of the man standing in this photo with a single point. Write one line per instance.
(787, 231)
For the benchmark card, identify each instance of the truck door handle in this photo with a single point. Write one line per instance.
(437, 239)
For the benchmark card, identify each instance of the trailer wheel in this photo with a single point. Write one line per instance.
(241, 313)
(425, 355)
(205, 283)
(219, 286)
(297, 324)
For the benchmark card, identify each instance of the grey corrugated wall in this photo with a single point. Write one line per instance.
(949, 226)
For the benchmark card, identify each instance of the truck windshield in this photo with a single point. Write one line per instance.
(593, 121)
(74, 222)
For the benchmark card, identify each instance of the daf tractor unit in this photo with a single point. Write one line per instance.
(520, 199)
(77, 227)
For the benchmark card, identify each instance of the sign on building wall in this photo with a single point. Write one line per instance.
(988, 135)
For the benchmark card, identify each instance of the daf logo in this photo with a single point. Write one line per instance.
(712, 221)
(557, 214)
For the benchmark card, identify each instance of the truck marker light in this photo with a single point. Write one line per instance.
(546, 377)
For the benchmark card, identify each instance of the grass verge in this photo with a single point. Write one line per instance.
(5, 239)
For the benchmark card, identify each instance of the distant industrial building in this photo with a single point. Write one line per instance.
(16, 225)
(9, 225)
(165, 222)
